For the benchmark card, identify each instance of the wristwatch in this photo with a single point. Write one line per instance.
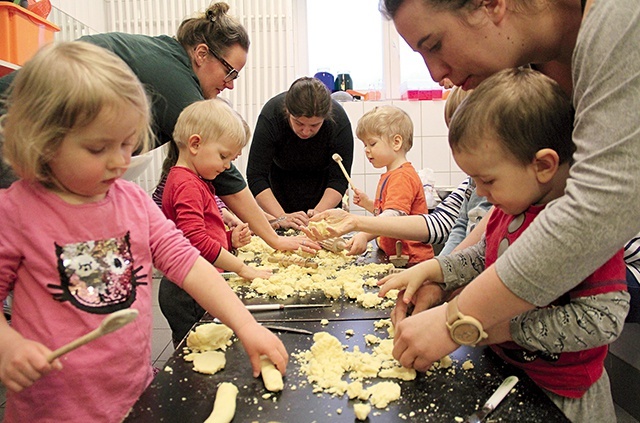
(464, 330)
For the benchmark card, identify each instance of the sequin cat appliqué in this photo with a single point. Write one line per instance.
(97, 276)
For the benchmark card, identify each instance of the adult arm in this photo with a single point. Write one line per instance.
(246, 208)
(568, 240)
(329, 199)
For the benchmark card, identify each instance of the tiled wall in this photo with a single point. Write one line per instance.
(430, 147)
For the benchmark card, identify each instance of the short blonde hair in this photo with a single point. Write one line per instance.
(386, 122)
(211, 119)
(455, 98)
(64, 87)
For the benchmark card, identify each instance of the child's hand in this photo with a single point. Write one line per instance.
(230, 219)
(427, 296)
(258, 341)
(240, 235)
(410, 280)
(250, 273)
(360, 198)
(357, 245)
(23, 362)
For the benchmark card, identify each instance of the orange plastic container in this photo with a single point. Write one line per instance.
(22, 33)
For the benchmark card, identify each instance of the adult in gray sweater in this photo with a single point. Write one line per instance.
(597, 60)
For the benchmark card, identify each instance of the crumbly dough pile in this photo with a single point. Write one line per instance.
(327, 363)
(337, 274)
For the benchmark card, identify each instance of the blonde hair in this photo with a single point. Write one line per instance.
(385, 122)
(456, 97)
(211, 119)
(64, 87)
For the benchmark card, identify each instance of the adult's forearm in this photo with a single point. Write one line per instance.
(329, 199)
(246, 208)
(598, 214)
(488, 299)
(402, 227)
(268, 202)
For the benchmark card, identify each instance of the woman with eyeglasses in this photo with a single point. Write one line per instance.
(201, 61)
(290, 169)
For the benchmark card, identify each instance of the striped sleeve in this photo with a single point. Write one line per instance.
(440, 222)
(632, 256)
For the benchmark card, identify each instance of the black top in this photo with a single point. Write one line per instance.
(298, 171)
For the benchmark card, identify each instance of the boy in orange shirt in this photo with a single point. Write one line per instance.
(387, 135)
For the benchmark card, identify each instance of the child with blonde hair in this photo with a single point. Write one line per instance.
(79, 243)
(387, 135)
(209, 135)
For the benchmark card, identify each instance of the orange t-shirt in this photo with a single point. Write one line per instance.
(401, 189)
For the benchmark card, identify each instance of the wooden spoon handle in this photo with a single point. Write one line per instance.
(96, 333)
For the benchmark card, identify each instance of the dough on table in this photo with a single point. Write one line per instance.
(270, 375)
(209, 362)
(361, 410)
(209, 336)
(224, 406)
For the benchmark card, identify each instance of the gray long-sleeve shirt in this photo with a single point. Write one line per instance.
(599, 212)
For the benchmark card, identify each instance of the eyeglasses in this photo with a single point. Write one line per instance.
(232, 72)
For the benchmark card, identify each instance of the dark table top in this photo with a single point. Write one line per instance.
(184, 396)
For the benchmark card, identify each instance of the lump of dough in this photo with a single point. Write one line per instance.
(208, 337)
(209, 362)
(270, 375)
(224, 406)
(321, 226)
(362, 411)
(383, 393)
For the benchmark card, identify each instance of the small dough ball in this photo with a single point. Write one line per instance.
(224, 406)
(271, 376)
(362, 411)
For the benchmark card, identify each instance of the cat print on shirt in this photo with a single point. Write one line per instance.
(97, 276)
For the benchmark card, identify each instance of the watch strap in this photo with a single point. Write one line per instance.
(455, 318)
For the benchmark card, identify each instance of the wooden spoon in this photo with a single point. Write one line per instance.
(111, 323)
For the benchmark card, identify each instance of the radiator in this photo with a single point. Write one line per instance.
(270, 67)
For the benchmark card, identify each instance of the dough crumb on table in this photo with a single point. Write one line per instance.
(361, 411)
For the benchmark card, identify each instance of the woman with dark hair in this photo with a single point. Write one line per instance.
(290, 169)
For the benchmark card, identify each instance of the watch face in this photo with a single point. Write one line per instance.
(465, 334)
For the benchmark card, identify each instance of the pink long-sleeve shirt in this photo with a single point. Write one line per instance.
(69, 266)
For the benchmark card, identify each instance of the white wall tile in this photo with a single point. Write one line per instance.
(371, 183)
(436, 154)
(433, 118)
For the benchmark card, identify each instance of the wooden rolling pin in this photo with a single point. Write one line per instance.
(289, 260)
